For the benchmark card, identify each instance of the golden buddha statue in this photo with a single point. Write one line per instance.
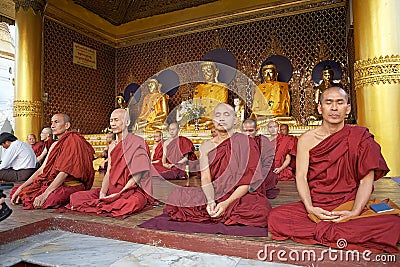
(272, 98)
(121, 101)
(327, 82)
(209, 94)
(239, 110)
(155, 108)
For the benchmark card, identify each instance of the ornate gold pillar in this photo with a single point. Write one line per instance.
(377, 73)
(28, 105)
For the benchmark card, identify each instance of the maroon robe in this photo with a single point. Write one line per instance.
(157, 155)
(285, 145)
(128, 158)
(176, 150)
(267, 152)
(233, 163)
(48, 143)
(73, 155)
(38, 148)
(337, 165)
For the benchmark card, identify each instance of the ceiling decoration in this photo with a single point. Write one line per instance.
(118, 12)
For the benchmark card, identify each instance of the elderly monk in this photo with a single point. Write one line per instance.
(37, 147)
(67, 169)
(47, 139)
(229, 167)
(124, 186)
(177, 152)
(336, 164)
(157, 150)
(267, 152)
(285, 152)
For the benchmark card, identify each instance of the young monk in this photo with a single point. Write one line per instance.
(336, 166)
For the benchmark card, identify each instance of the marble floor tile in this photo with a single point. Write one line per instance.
(161, 256)
(67, 249)
(59, 248)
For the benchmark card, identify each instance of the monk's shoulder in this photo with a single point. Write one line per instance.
(308, 139)
(206, 146)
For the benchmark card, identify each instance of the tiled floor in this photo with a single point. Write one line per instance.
(28, 223)
(59, 248)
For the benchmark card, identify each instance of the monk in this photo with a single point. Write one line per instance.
(37, 147)
(285, 152)
(47, 139)
(124, 186)
(336, 164)
(177, 152)
(157, 151)
(229, 166)
(267, 153)
(67, 169)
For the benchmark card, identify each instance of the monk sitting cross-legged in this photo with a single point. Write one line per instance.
(336, 166)
(177, 151)
(229, 166)
(67, 169)
(124, 186)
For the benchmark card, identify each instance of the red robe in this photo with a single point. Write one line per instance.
(176, 150)
(129, 157)
(157, 155)
(267, 152)
(285, 145)
(337, 165)
(233, 163)
(38, 148)
(48, 143)
(73, 155)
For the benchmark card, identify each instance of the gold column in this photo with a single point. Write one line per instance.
(377, 73)
(28, 105)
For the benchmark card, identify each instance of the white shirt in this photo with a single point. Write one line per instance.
(18, 155)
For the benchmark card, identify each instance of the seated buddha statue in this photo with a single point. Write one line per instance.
(271, 98)
(327, 82)
(210, 93)
(155, 108)
(121, 101)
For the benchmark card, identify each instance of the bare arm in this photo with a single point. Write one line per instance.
(363, 194)
(57, 182)
(15, 198)
(106, 180)
(206, 181)
(222, 206)
(284, 164)
(41, 157)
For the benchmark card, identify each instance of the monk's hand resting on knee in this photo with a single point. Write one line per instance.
(343, 214)
(323, 214)
(15, 198)
(39, 201)
(211, 208)
(220, 209)
(110, 196)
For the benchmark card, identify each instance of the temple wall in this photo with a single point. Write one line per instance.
(304, 38)
(86, 94)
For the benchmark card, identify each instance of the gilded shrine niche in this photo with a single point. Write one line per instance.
(297, 37)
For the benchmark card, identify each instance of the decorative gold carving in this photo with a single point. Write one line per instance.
(195, 25)
(27, 108)
(36, 5)
(377, 70)
(122, 11)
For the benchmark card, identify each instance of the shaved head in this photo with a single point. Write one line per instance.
(346, 96)
(121, 113)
